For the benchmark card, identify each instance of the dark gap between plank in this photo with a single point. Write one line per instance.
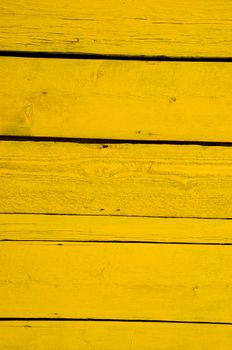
(61, 241)
(61, 319)
(119, 215)
(96, 56)
(104, 142)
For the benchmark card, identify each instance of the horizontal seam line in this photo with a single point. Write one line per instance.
(59, 242)
(118, 215)
(120, 57)
(104, 142)
(112, 320)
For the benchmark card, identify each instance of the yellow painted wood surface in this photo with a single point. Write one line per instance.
(167, 27)
(116, 281)
(113, 228)
(115, 179)
(120, 281)
(115, 336)
(116, 99)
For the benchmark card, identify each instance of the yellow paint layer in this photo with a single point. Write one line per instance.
(113, 336)
(116, 99)
(120, 179)
(113, 228)
(116, 281)
(167, 27)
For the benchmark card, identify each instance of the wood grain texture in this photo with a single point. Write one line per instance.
(116, 99)
(168, 27)
(114, 228)
(113, 336)
(119, 179)
(116, 281)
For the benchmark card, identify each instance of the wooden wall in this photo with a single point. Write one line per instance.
(115, 175)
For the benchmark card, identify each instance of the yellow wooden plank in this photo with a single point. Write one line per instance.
(114, 228)
(115, 179)
(113, 336)
(116, 281)
(116, 99)
(167, 27)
